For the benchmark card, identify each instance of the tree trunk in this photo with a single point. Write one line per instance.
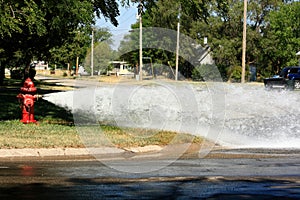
(2, 73)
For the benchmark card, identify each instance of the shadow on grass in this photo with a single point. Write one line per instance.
(43, 110)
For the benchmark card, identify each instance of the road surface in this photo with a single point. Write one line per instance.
(230, 174)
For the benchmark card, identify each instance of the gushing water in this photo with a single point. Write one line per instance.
(235, 115)
(259, 118)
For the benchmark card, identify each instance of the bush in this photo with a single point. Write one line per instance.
(206, 72)
(16, 74)
(235, 74)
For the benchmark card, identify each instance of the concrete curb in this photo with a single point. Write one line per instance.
(145, 149)
(43, 152)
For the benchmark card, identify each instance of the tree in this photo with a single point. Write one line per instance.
(272, 32)
(103, 52)
(72, 49)
(102, 34)
(282, 37)
(38, 28)
(224, 32)
(165, 14)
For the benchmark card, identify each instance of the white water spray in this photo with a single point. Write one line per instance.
(254, 117)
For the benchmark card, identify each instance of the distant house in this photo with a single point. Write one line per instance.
(205, 56)
(120, 68)
(82, 72)
(41, 65)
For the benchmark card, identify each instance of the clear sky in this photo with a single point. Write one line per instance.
(126, 18)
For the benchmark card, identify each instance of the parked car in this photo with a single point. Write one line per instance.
(289, 78)
(294, 74)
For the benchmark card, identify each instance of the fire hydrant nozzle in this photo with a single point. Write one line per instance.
(27, 98)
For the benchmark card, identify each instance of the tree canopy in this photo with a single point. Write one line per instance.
(33, 28)
(103, 52)
(60, 30)
(272, 32)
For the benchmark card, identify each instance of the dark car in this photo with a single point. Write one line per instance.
(294, 74)
(289, 78)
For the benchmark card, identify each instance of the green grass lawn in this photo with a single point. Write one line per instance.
(55, 127)
(14, 134)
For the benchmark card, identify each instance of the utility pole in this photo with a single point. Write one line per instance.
(177, 45)
(244, 43)
(140, 12)
(77, 64)
(92, 53)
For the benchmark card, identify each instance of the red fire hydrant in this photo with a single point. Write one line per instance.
(27, 98)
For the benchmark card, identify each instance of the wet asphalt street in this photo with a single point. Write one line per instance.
(221, 175)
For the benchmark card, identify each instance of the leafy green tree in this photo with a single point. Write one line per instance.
(103, 52)
(39, 28)
(70, 50)
(165, 14)
(224, 30)
(102, 34)
(272, 33)
(282, 37)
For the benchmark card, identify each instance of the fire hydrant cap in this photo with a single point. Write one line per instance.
(28, 87)
(28, 83)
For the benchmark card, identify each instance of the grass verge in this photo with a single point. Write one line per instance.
(14, 134)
